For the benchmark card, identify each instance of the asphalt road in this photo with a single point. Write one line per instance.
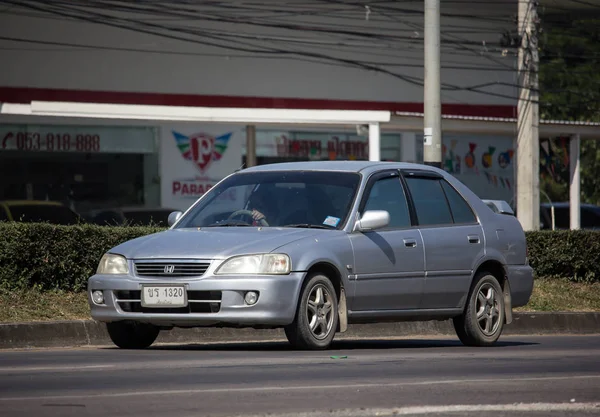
(533, 376)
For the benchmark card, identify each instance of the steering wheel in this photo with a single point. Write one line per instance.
(263, 221)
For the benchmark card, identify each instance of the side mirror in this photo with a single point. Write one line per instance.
(500, 206)
(372, 219)
(173, 217)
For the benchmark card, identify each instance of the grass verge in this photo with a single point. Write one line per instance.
(32, 305)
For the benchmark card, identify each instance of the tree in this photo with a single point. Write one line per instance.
(569, 81)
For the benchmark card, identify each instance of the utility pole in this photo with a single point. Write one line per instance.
(250, 145)
(432, 128)
(528, 148)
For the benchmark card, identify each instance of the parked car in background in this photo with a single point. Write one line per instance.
(555, 216)
(312, 247)
(129, 216)
(33, 211)
(559, 215)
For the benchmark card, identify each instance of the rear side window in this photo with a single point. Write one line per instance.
(430, 201)
(461, 211)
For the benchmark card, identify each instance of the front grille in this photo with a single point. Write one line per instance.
(170, 269)
(198, 302)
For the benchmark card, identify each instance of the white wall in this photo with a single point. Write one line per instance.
(248, 74)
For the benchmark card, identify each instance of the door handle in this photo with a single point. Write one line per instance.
(473, 238)
(410, 243)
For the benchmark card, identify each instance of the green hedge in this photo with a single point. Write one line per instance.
(566, 254)
(45, 256)
(48, 257)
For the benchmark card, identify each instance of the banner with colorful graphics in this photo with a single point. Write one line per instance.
(194, 158)
(485, 164)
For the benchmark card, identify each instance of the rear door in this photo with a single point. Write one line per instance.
(452, 237)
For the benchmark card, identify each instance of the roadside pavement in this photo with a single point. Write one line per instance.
(90, 333)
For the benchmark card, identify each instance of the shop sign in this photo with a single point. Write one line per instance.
(86, 139)
(312, 145)
(194, 159)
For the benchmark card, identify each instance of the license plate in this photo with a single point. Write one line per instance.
(164, 296)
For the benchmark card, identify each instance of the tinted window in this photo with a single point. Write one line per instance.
(430, 201)
(590, 218)
(108, 218)
(147, 217)
(3, 215)
(388, 194)
(461, 211)
(31, 213)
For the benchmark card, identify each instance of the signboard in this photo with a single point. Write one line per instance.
(194, 158)
(311, 145)
(85, 139)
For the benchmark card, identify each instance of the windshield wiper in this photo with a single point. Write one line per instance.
(310, 226)
(230, 223)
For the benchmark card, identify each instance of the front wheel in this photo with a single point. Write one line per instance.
(483, 319)
(131, 335)
(316, 318)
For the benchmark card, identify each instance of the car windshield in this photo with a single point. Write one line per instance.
(277, 199)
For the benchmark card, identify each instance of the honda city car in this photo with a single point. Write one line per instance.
(312, 247)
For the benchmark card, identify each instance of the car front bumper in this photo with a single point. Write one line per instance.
(224, 296)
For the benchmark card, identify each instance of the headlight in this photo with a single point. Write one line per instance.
(112, 264)
(270, 263)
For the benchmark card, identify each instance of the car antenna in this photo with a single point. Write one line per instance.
(241, 167)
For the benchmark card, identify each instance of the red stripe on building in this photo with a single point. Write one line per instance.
(26, 95)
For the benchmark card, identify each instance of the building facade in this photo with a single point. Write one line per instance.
(317, 56)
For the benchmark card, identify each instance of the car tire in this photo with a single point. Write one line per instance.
(131, 335)
(482, 322)
(317, 317)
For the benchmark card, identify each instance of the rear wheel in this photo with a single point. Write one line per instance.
(482, 322)
(316, 318)
(132, 335)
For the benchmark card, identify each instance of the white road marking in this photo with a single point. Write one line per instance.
(14, 369)
(460, 408)
(523, 407)
(298, 388)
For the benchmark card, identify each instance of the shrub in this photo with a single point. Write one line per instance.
(564, 253)
(44, 256)
(49, 257)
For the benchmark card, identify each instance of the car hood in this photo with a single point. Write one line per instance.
(213, 243)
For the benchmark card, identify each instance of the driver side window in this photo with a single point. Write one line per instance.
(388, 194)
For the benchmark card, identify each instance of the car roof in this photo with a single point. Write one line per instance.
(341, 166)
(31, 203)
(127, 209)
(563, 204)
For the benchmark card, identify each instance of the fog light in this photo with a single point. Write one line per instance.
(251, 298)
(98, 297)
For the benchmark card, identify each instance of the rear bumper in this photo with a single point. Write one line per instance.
(520, 278)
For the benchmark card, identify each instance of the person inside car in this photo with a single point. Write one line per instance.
(262, 206)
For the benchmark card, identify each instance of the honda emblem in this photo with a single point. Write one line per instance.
(169, 269)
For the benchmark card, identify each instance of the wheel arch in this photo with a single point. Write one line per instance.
(333, 273)
(497, 268)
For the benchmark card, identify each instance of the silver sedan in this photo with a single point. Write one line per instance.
(312, 247)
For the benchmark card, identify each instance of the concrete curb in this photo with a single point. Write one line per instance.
(90, 333)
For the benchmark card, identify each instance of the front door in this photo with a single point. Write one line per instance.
(389, 263)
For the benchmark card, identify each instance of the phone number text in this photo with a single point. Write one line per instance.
(51, 142)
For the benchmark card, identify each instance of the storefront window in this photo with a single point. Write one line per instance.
(83, 167)
(288, 145)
